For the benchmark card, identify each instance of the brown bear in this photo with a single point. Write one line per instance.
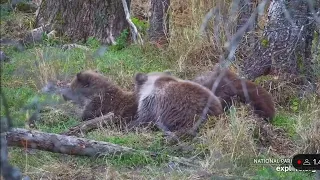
(172, 104)
(231, 85)
(102, 96)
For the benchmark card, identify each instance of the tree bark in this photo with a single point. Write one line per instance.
(103, 19)
(286, 43)
(61, 144)
(246, 8)
(159, 21)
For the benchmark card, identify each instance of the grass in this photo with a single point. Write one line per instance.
(225, 147)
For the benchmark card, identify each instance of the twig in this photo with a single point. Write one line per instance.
(134, 31)
(89, 125)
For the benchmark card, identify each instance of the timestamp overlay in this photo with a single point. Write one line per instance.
(300, 162)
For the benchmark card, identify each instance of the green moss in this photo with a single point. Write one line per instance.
(300, 63)
(59, 19)
(264, 42)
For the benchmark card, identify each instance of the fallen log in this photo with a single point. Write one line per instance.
(72, 145)
(89, 125)
(61, 143)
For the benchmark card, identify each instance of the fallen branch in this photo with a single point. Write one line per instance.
(89, 125)
(61, 144)
(75, 146)
(133, 28)
(72, 46)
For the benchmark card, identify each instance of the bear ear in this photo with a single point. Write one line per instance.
(140, 78)
(79, 76)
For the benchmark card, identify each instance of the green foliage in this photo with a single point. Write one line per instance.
(300, 63)
(121, 41)
(285, 122)
(264, 43)
(93, 42)
(18, 97)
(141, 25)
(5, 10)
(49, 41)
(294, 104)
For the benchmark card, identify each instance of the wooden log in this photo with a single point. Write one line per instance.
(61, 143)
(75, 146)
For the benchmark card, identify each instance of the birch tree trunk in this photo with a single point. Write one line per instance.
(103, 19)
(286, 43)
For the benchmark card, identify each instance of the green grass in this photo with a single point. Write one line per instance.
(21, 81)
(265, 173)
(286, 122)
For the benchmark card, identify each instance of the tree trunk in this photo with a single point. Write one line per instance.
(246, 8)
(286, 43)
(102, 19)
(159, 21)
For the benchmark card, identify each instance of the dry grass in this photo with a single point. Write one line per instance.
(308, 127)
(47, 71)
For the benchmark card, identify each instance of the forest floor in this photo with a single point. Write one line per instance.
(226, 151)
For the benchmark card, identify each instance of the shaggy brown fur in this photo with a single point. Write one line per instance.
(171, 103)
(103, 96)
(231, 85)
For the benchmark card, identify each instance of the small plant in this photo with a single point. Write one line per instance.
(285, 122)
(121, 41)
(48, 40)
(294, 104)
(142, 26)
(93, 42)
(264, 43)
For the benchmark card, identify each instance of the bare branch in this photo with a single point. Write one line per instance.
(89, 125)
(134, 31)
